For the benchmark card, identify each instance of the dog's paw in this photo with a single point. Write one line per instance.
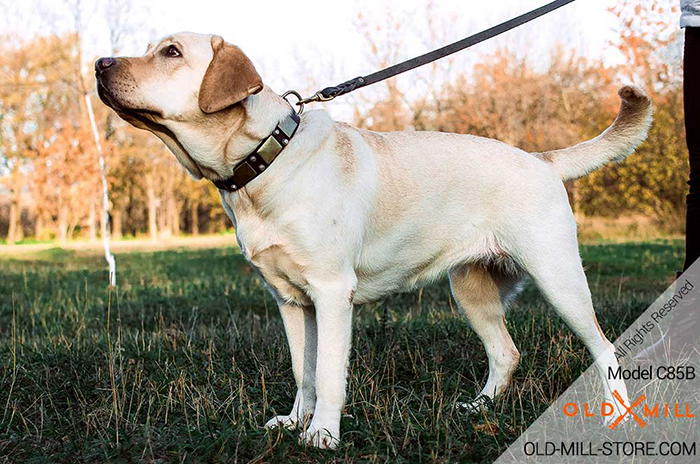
(476, 405)
(288, 422)
(320, 437)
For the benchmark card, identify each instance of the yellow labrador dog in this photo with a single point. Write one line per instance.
(346, 216)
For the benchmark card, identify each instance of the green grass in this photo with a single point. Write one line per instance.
(187, 360)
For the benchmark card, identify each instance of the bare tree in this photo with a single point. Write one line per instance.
(79, 26)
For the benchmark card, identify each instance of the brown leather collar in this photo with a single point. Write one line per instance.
(269, 149)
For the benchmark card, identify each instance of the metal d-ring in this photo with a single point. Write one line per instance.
(300, 103)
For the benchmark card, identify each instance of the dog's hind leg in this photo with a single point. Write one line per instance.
(553, 261)
(300, 327)
(481, 292)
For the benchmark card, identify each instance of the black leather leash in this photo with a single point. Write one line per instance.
(329, 93)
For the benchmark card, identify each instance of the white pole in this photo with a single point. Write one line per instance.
(105, 196)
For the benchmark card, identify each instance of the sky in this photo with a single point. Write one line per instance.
(311, 44)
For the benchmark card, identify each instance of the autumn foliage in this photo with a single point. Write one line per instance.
(49, 173)
(570, 100)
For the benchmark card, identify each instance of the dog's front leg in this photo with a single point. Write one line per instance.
(300, 327)
(333, 301)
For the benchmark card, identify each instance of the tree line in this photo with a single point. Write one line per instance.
(49, 175)
(567, 100)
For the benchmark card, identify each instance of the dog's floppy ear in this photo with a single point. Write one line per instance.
(230, 78)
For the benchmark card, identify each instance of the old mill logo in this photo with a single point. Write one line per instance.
(633, 410)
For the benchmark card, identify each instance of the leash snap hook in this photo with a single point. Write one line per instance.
(317, 97)
(299, 103)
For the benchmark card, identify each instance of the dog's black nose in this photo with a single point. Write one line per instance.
(104, 63)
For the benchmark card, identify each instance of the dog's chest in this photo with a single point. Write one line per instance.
(266, 250)
(282, 273)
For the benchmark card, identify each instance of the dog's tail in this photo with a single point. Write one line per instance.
(617, 142)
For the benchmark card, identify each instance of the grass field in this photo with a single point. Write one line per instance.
(187, 359)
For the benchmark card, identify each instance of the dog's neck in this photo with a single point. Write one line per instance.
(262, 113)
(222, 140)
(237, 132)
(250, 124)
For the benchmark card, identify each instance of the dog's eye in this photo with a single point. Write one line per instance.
(172, 51)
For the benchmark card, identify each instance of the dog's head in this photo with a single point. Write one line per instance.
(185, 85)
